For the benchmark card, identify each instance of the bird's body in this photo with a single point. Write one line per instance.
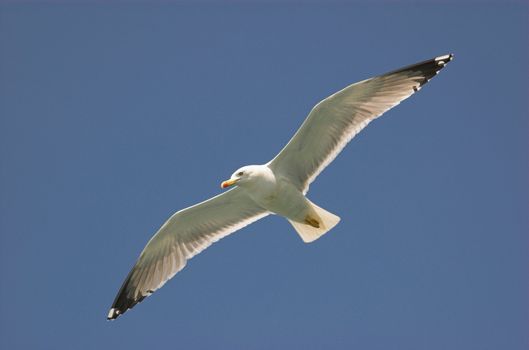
(274, 193)
(277, 187)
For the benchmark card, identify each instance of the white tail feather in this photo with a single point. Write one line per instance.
(310, 233)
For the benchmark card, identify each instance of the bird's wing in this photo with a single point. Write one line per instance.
(183, 236)
(333, 122)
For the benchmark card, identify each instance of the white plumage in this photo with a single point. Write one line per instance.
(278, 187)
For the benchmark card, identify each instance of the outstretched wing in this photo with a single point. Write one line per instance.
(184, 235)
(333, 122)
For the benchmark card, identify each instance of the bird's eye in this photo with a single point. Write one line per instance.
(240, 173)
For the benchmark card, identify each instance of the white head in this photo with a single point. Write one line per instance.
(246, 175)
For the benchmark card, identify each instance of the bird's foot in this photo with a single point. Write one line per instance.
(312, 222)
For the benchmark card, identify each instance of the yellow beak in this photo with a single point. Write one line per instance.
(228, 183)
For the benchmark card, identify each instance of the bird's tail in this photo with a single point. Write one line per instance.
(316, 224)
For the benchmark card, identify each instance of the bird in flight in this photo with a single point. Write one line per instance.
(277, 187)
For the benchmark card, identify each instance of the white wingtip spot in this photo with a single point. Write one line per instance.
(112, 313)
(444, 58)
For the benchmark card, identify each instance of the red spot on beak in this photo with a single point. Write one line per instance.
(228, 183)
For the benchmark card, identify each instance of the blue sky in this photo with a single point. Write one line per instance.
(115, 115)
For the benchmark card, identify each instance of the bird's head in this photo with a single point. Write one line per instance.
(243, 176)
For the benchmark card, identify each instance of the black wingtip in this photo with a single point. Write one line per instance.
(122, 304)
(428, 68)
(126, 298)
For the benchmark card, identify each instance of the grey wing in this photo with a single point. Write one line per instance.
(184, 235)
(333, 122)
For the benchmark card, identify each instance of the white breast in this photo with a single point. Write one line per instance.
(277, 195)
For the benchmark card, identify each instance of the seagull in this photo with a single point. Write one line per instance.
(277, 187)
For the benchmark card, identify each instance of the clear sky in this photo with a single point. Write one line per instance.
(115, 115)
